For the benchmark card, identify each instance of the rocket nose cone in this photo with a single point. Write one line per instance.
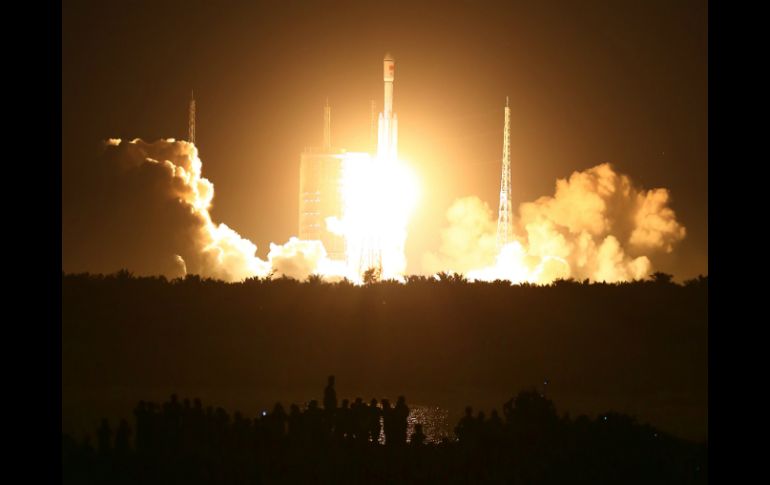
(388, 57)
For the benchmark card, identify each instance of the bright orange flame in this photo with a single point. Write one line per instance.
(379, 197)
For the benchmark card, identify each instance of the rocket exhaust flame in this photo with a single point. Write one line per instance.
(378, 197)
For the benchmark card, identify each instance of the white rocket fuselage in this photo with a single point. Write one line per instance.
(387, 139)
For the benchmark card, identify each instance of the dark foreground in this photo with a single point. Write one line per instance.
(183, 442)
(638, 348)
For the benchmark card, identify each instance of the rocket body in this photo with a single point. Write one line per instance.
(388, 122)
(389, 71)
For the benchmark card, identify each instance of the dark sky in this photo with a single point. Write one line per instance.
(589, 82)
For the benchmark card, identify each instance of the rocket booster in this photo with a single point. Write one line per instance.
(388, 122)
(389, 68)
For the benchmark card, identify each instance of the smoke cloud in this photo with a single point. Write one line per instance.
(596, 226)
(148, 211)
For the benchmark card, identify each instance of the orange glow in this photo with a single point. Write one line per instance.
(379, 196)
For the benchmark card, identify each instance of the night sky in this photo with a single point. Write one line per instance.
(588, 83)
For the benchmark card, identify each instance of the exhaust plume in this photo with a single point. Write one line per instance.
(149, 212)
(596, 226)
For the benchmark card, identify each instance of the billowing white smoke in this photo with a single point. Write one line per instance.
(596, 226)
(298, 259)
(154, 218)
(146, 208)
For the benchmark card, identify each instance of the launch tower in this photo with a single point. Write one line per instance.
(320, 197)
(191, 120)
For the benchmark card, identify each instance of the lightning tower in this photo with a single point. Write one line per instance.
(327, 127)
(373, 128)
(191, 121)
(320, 195)
(504, 217)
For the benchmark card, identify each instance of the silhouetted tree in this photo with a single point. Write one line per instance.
(662, 278)
(371, 276)
(314, 279)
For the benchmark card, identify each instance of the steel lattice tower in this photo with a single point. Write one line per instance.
(373, 128)
(327, 127)
(504, 217)
(191, 121)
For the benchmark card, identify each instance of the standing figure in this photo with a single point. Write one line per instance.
(375, 426)
(401, 413)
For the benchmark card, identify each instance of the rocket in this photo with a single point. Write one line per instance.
(387, 135)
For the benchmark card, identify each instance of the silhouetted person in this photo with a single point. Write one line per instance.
(466, 428)
(208, 426)
(172, 422)
(185, 428)
(360, 414)
(258, 432)
(400, 415)
(375, 426)
(387, 422)
(343, 425)
(197, 425)
(104, 435)
(122, 438)
(330, 406)
(173, 410)
(88, 449)
(276, 422)
(241, 430)
(220, 425)
(537, 447)
(418, 437)
(295, 424)
(313, 423)
(330, 396)
(492, 433)
(532, 410)
(141, 416)
(155, 430)
(480, 419)
(480, 428)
